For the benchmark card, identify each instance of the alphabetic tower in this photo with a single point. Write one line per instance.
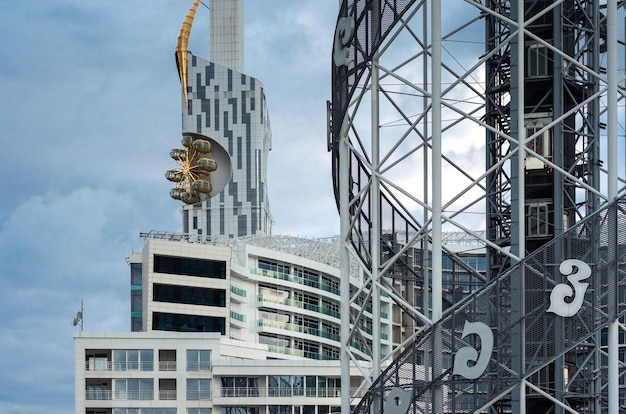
(221, 176)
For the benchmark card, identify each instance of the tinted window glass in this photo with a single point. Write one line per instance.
(189, 267)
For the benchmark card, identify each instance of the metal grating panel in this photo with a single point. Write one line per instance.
(545, 336)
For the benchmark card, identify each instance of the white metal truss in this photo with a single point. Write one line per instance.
(413, 121)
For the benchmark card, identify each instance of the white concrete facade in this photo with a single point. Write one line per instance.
(159, 373)
(226, 44)
(284, 299)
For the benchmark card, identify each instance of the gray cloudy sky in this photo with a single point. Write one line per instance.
(90, 108)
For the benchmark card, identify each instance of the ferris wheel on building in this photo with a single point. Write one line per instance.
(192, 177)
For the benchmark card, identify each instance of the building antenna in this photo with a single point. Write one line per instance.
(78, 319)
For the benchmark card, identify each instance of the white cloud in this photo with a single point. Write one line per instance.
(90, 111)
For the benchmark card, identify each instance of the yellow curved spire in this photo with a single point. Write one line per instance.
(181, 47)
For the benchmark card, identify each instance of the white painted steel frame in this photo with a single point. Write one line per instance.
(436, 211)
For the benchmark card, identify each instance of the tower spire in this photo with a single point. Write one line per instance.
(226, 42)
(181, 47)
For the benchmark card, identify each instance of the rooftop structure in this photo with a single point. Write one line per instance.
(226, 135)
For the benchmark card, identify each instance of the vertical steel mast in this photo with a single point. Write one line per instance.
(494, 120)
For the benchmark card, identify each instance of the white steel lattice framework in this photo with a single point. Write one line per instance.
(499, 116)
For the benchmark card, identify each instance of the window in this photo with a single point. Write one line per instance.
(136, 300)
(198, 360)
(198, 389)
(329, 352)
(274, 340)
(167, 360)
(541, 144)
(311, 390)
(134, 389)
(279, 385)
(240, 387)
(135, 273)
(311, 302)
(189, 266)
(328, 387)
(273, 266)
(330, 284)
(536, 144)
(187, 323)
(240, 410)
(133, 360)
(311, 349)
(310, 326)
(97, 362)
(309, 277)
(331, 331)
(537, 61)
(198, 411)
(279, 409)
(97, 392)
(167, 389)
(538, 219)
(136, 323)
(330, 308)
(273, 293)
(189, 295)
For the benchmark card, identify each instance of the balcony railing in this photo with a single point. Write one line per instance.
(299, 304)
(238, 291)
(299, 328)
(198, 395)
(167, 394)
(237, 316)
(241, 392)
(134, 395)
(198, 366)
(105, 394)
(98, 394)
(296, 279)
(167, 365)
(119, 366)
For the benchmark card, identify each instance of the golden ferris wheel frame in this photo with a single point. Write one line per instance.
(204, 168)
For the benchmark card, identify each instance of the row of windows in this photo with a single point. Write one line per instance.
(187, 323)
(143, 389)
(305, 409)
(133, 360)
(452, 263)
(189, 295)
(200, 389)
(134, 389)
(135, 274)
(299, 298)
(304, 324)
(272, 409)
(274, 266)
(189, 267)
(310, 349)
(305, 276)
(143, 360)
(142, 411)
(283, 409)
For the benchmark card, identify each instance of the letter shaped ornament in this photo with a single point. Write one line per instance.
(398, 401)
(563, 290)
(343, 36)
(467, 353)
